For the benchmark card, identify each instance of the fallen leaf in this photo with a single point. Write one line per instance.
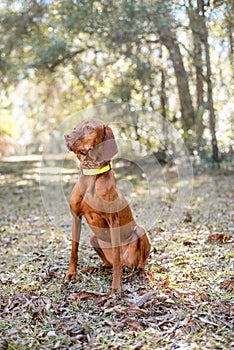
(218, 236)
(228, 285)
(162, 269)
(188, 218)
(74, 332)
(132, 309)
(88, 295)
(90, 270)
(179, 334)
(179, 292)
(170, 301)
(157, 229)
(133, 324)
(184, 263)
(189, 242)
(166, 282)
(145, 297)
(51, 334)
(185, 321)
(162, 297)
(3, 344)
(205, 320)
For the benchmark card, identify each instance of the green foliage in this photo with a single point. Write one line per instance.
(100, 51)
(7, 122)
(7, 126)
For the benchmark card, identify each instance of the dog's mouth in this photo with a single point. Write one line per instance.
(69, 146)
(75, 147)
(72, 146)
(81, 152)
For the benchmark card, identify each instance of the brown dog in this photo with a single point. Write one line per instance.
(116, 237)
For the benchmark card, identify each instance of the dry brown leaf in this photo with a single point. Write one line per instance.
(185, 321)
(132, 309)
(179, 334)
(179, 292)
(184, 263)
(133, 324)
(74, 332)
(189, 242)
(188, 218)
(88, 295)
(161, 269)
(90, 270)
(130, 274)
(166, 282)
(228, 285)
(157, 229)
(219, 237)
(162, 297)
(16, 302)
(135, 310)
(145, 297)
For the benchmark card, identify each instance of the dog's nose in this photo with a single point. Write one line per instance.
(67, 136)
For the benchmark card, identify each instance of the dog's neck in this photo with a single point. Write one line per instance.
(90, 164)
(88, 161)
(97, 171)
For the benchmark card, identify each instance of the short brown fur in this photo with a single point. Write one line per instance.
(116, 237)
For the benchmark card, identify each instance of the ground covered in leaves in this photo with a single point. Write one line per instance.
(186, 303)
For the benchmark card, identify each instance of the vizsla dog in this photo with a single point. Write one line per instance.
(116, 237)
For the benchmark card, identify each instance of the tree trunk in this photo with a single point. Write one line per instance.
(163, 104)
(215, 151)
(214, 145)
(195, 25)
(163, 97)
(230, 29)
(187, 111)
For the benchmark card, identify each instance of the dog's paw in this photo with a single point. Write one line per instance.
(115, 292)
(70, 276)
(115, 289)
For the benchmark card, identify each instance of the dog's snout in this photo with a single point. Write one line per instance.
(67, 136)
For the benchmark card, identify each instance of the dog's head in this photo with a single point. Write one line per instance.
(92, 141)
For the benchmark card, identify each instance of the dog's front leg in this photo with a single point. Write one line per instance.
(117, 265)
(76, 228)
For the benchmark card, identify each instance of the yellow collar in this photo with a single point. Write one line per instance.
(97, 171)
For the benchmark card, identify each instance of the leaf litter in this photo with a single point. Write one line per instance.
(187, 301)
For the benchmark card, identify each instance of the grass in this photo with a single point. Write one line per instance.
(187, 302)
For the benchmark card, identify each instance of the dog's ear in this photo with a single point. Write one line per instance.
(110, 148)
(106, 147)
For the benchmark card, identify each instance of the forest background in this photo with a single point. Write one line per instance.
(170, 57)
(162, 71)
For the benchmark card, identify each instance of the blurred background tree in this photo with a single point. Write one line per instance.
(174, 58)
